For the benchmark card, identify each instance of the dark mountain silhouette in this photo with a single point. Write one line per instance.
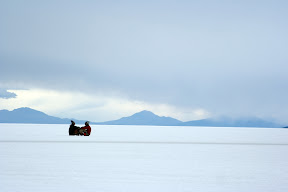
(149, 118)
(144, 118)
(27, 115)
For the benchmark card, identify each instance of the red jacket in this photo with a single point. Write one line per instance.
(88, 129)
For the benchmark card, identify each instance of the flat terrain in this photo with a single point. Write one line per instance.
(142, 159)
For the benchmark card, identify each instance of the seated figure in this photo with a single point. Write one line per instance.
(86, 130)
(73, 130)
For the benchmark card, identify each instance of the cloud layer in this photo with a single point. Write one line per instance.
(227, 58)
(96, 108)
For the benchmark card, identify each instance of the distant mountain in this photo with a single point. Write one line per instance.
(149, 118)
(230, 122)
(144, 118)
(27, 115)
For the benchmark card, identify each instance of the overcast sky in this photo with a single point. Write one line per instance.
(102, 60)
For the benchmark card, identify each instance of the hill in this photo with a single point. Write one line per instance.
(149, 118)
(144, 118)
(28, 115)
(230, 122)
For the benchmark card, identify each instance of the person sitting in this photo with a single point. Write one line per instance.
(86, 130)
(73, 130)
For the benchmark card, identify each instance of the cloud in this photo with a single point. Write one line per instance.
(220, 57)
(94, 107)
(5, 94)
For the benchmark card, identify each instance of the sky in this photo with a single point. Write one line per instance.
(103, 60)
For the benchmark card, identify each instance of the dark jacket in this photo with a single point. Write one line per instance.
(72, 129)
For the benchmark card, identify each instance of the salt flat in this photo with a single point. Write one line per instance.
(143, 158)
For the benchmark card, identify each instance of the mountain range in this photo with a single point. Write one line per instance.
(28, 115)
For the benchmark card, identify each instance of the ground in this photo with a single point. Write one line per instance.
(142, 159)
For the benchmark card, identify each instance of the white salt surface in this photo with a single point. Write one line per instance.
(143, 159)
